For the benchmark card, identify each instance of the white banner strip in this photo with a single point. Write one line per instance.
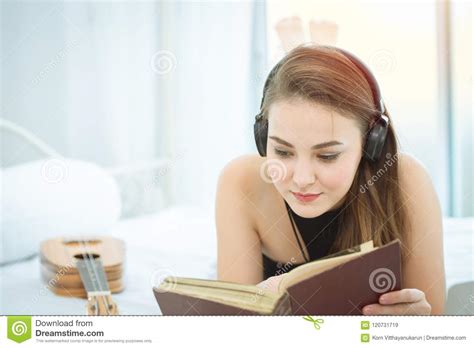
(239, 331)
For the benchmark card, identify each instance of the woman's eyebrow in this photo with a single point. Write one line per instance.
(314, 147)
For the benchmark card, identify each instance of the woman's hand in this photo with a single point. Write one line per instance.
(401, 302)
(271, 283)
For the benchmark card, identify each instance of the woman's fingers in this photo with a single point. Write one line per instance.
(402, 296)
(401, 302)
(415, 308)
(270, 283)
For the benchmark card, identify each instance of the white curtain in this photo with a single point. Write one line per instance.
(462, 117)
(86, 78)
(111, 88)
(213, 91)
(78, 75)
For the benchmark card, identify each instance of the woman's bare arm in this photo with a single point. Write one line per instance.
(239, 257)
(424, 267)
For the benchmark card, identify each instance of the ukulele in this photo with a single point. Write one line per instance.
(89, 268)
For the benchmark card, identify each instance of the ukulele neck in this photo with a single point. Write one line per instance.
(99, 299)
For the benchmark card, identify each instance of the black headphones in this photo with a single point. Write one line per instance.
(377, 133)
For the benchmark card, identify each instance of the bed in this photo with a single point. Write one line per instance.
(56, 196)
(177, 241)
(74, 196)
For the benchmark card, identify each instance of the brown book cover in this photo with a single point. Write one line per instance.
(347, 288)
(340, 285)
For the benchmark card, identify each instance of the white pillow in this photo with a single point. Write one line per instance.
(51, 198)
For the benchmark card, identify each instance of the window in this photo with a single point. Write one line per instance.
(400, 42)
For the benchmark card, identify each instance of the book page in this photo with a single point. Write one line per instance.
(218, 284)
(248, 297)
(312, 268)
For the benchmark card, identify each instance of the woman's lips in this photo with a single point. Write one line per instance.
(306, 197)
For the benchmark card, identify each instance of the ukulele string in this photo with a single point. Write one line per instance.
(84, 258)
(88, 261)
(94, 270)
(104, 298)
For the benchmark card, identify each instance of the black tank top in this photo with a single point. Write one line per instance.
(318, 233)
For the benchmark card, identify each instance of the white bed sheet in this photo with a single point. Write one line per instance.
(179, 241)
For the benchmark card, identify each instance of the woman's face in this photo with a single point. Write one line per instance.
(318, 150)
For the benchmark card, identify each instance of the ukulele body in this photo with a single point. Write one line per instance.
(89, 268)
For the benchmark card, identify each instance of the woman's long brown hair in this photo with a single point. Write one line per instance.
(373, 207)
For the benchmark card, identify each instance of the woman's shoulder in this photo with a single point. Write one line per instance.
(243, 171)
(418, 192)
(241, 178)
(411, 170)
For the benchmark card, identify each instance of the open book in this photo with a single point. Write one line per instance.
(340, 283)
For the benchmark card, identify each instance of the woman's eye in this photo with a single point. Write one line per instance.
(326, 158)
(329, 157)
(282, 153)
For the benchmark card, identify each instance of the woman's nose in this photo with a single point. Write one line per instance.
(303, 174)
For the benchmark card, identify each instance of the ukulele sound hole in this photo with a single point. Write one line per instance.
(78, 243)
(87, 256)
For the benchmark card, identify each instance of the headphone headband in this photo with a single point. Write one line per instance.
(374, 86)
(378, 127)
(370, 78)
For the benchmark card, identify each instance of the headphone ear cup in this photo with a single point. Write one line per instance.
(260, 131)
(376, 139)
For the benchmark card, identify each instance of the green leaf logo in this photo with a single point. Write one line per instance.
(316, 322)
(19, 328)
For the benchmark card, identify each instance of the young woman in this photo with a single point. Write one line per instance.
(329, 176)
